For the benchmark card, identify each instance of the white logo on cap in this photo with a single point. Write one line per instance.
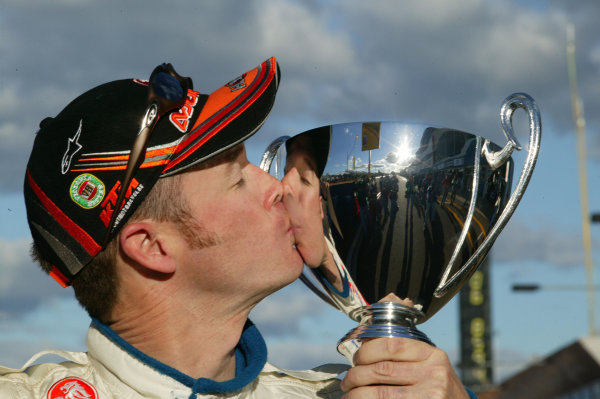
(73, 147)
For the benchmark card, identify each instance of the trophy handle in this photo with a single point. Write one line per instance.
(270, 152)
(496, 159)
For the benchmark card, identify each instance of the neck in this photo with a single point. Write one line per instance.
(197, 340)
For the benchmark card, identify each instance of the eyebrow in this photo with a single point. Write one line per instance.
(226, 156)
(230, 154)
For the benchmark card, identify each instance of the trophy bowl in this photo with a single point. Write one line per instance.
(408, 209)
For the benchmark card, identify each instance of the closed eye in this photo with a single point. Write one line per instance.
(240, 183)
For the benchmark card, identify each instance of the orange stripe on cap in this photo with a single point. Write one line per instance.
(104, 159)
(59, 277)
(223, 99)
(223, 123)
(99, 169)
(149, 154)
(221, 102)
(161, 151)
(154, 163)
(223, 96)
(121, 167)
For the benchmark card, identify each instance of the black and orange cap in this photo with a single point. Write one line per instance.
(78, 158)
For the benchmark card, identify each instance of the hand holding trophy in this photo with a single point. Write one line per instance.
(398, 208)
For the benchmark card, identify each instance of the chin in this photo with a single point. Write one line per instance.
(284, 269)
(293, 269)
(280, 286)
(299, 264)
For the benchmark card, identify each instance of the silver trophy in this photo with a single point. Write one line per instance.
(409, 209)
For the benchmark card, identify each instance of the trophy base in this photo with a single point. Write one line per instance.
(384, 319)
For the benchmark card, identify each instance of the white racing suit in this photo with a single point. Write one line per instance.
(112, 368)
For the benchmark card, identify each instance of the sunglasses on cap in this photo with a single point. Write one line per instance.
(167, 91)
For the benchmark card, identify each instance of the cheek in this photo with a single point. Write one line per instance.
(238, 224)
(312, 198)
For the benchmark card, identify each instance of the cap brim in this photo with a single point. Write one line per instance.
(318, 141)
(229, 116)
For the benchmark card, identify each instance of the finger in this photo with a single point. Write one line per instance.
(437, 378)
(433, 376)
(382, 373)
(378, 392)
(396, 349)
(391, 297)
(407, 392)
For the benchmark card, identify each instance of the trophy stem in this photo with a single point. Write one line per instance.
(385, 319)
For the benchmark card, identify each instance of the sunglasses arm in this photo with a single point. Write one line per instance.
(136, 157)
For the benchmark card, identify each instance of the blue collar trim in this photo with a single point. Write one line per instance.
(250, 359)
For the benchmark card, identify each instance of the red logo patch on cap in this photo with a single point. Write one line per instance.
(72, 388)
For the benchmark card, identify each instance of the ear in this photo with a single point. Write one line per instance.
(144, 244)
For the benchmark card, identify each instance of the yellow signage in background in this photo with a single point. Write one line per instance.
(370, 135)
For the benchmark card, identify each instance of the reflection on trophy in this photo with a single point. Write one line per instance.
(407, 209)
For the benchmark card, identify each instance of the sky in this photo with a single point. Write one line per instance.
(446, 63)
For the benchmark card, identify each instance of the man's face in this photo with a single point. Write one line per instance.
(240, 206)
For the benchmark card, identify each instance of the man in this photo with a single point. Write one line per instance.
(169, 237)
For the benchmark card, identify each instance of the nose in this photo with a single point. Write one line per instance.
(290, 183)
(270, 187)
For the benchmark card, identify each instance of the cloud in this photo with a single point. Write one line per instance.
(443, 70)
(446, 63)
(520, 242)
(302, 37)
(283, 313)
(24, 286)
(58, 323)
